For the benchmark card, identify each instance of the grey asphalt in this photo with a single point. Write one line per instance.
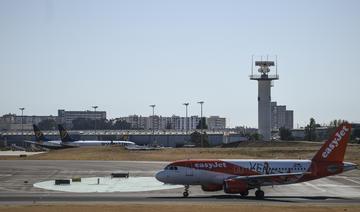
(18, 176)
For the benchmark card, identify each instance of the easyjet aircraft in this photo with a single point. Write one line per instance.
(240, 176)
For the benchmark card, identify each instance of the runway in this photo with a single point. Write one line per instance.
(18, 176)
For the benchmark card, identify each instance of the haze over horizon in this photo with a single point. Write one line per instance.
(125, 55)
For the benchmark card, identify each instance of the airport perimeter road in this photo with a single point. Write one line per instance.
(17, 178)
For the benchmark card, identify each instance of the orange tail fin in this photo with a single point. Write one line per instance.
(333, 149)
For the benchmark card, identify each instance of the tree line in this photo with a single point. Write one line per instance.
(311, 128)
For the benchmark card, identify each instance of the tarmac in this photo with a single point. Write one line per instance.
(17, 179)
(108, 184)
(17, 153)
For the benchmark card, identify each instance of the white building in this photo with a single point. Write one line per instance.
(13, 121)
(289, 119)
(135, 121)
(216, 123)
(194, 122)
(173, 122)
(280, 117)
(67, 117)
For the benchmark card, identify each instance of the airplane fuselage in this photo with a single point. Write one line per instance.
(97, 143)
(215, 172)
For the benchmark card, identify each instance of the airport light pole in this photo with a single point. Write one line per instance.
(22, 125)
(201, 122)
(153, 117)
(186, 117)
(95, 107)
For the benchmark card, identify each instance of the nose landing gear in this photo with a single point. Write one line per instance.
(186, 192)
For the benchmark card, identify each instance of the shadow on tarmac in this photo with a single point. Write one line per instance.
(249, 198)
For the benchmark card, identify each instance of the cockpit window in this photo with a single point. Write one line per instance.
(171, 168)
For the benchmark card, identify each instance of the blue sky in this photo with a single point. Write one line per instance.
(126, 55)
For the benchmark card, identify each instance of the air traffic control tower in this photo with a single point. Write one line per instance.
(265, 82)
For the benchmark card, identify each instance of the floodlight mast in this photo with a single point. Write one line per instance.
(22, 125)
(95, 117)
(153, 128)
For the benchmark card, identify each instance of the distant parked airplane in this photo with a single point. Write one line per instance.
(143, 147)
(240, 176)
(67, 140)
(42, 141)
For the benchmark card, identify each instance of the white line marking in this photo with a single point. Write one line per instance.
(314, 186)
(106, 172)
(335, 185)
(351, 180)
(129, 161)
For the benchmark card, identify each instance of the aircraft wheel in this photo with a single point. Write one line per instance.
(245, 193)
(259, 194)
(186, 192)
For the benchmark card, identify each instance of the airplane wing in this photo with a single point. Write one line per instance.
(31, 142)
(69, 144)
(45, 144)
(256, 180)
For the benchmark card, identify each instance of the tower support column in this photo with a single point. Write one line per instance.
(264, 109)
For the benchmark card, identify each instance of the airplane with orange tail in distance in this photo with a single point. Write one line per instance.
(240, 176)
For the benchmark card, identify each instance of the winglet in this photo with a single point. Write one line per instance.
(333, 149)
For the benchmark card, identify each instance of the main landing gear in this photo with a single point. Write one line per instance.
(186, 192)
(245, 193)
(259, 194)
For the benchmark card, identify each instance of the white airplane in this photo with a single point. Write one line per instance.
(240, 176)
(143, 147)
(42, 141)
(67, 140)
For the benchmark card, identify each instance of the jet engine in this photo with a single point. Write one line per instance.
(235, 186)
(212, 187)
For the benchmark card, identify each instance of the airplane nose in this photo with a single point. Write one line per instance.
(160, 176)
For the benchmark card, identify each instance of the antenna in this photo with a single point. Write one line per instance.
(276, 65)
(252, 64)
